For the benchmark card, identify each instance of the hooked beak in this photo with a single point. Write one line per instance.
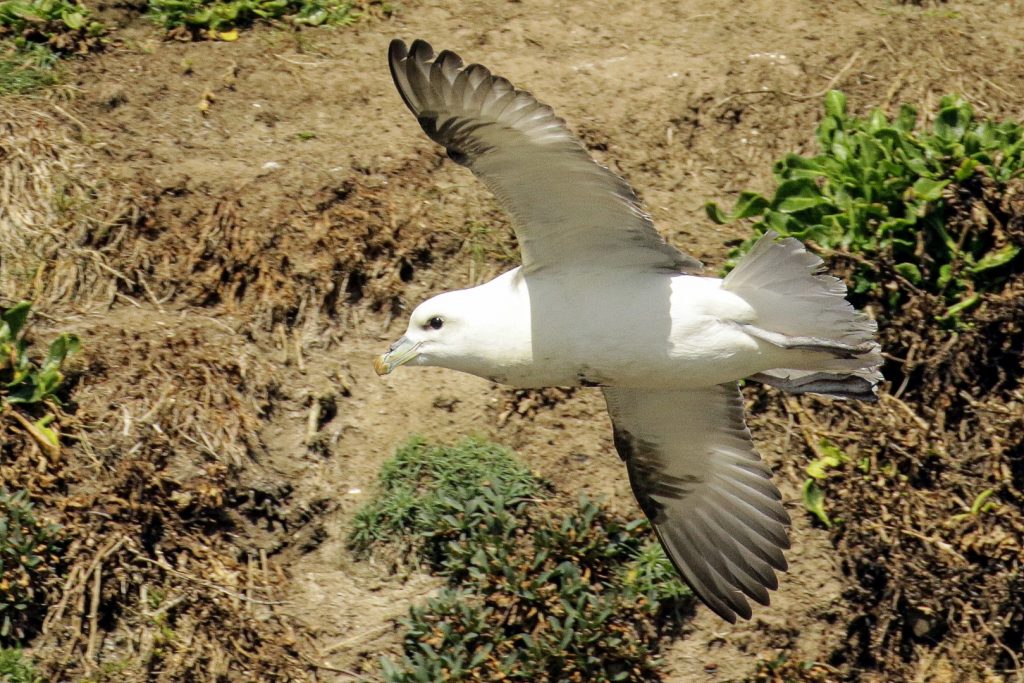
(400, 353)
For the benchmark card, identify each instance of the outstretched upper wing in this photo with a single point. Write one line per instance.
(699, 480)
(568, 211)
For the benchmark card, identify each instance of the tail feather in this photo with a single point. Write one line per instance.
(800, 308)
(861, 386)
(840, 349)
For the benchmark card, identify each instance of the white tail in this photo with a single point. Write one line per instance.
(834, 344)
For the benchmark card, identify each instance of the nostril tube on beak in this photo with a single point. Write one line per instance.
(399, 353)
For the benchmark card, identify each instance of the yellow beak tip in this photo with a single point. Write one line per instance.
(380, 366)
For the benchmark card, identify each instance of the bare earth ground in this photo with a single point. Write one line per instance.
(278, 213)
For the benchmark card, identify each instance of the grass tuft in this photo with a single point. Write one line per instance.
(26, 69)
(14, 668)
(533, 592)
(30, 551)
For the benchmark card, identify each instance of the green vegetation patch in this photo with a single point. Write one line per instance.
(886, 192)
(534, 592)
(67, 27)
(34, 34)
(30, 384)
(63, 25)
(24, 69)
(923, 491)
(30, 551)
(22, 379)
(219, 18)
(433, 496)
(14, 668)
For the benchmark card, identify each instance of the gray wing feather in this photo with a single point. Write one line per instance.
(709, 497)
(567, 210)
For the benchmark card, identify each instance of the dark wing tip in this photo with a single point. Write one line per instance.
(418, 75)
(396, 50)
(785, 545)
(449, 60)
(743, 609)
(410, 69)
(421, 50)
(397, 56)
(723, 612)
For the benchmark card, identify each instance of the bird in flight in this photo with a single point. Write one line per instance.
(602, 300)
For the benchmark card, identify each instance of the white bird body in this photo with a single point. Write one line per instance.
(602, 300)
(687, 334)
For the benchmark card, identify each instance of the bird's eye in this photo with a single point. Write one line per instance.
(436, 323)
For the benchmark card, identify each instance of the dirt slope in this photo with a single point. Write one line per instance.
(287, 214)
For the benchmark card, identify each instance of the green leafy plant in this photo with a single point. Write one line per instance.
(30, 551)
(218, 18)
(26, 382)
(14, 668)
(532, 593)
(651, 575)
(884, 191)
(830, 457)
(64, 25)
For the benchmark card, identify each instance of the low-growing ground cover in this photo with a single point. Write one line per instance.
(924, 490)
(227, 227)
(536, 590)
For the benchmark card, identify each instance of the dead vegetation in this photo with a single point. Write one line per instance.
(56, 209)
(194, 301)
(166, 491)
(155, 584)
(933, 535)
(928, 501)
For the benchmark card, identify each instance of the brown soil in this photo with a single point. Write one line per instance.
(251, 223)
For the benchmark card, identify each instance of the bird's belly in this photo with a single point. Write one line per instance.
(700, 353)
(676, 332)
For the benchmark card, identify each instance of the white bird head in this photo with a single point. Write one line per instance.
(434, 333)
(471, 330)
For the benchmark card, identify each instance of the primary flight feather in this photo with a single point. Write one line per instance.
(602, 300)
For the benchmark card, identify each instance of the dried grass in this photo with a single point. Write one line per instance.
(934, 575)
(344, 251)
(55, 209)
(161, 582)
(166, 429)
(167, 480)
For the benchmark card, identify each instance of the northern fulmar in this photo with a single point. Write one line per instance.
(602, 300)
